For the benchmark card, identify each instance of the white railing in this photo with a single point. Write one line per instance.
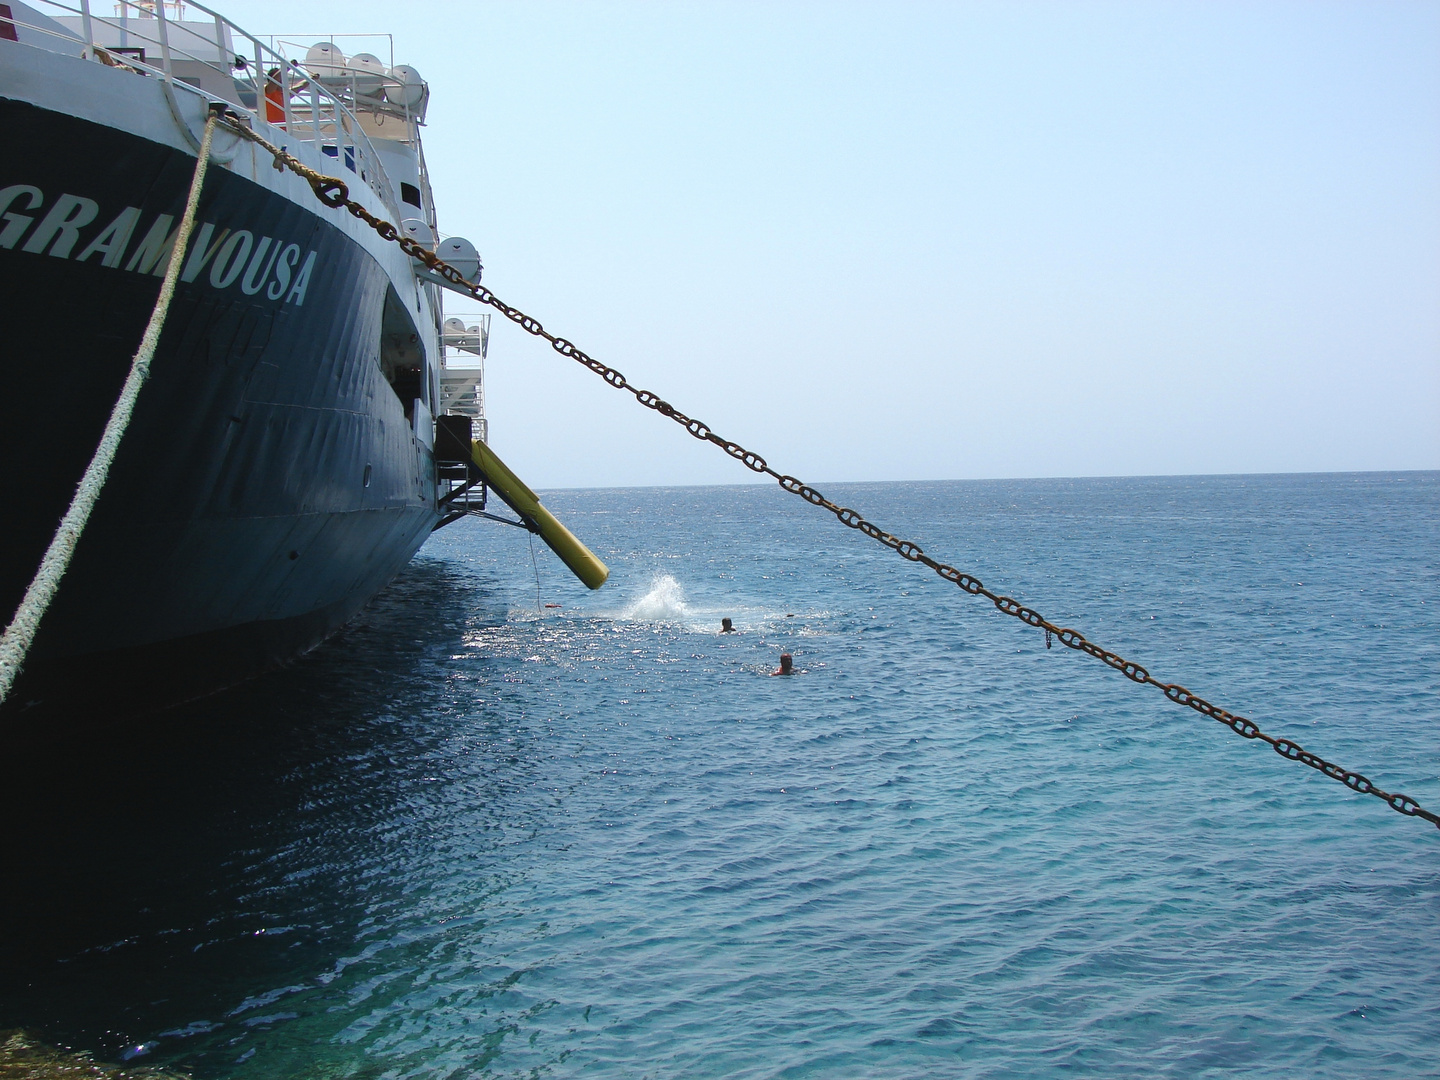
(465, 340)
(331, 109)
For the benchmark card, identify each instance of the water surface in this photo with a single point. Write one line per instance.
(474, 835)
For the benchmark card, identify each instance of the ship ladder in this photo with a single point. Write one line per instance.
(487, 469)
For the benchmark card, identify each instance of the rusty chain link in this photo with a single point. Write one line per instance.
(334, 192)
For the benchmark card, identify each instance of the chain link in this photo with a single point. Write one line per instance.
(334, 192)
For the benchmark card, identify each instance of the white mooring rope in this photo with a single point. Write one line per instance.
(15, 643)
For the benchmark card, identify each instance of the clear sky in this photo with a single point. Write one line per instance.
(923, 241)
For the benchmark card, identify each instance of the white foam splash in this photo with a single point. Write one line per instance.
(664, 603)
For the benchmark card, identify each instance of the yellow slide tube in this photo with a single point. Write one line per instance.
(498, 477)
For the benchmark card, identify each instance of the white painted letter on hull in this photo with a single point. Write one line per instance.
(231, 256)
(297, 294)
(16, 224)
(229, 263)
(113, 239)
(63, 223)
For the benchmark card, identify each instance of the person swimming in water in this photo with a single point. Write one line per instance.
(787, 665)
(726, 626)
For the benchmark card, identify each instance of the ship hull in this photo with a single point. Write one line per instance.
(270, 481)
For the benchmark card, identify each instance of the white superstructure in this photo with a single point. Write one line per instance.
(341, 97)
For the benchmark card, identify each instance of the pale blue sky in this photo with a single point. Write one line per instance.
(909, 241)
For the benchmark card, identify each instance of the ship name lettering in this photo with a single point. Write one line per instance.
(302, 281)
(63, 224)
(231, 260)
(201, 251)
(284, 263)
(110, 245)
(153, 251)
(248, 285)
(268, 267)
(16, 224)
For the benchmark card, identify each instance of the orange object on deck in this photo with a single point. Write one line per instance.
(274, 98)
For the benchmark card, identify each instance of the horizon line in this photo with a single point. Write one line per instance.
(1008, 479)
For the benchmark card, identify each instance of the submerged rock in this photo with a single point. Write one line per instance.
(24, 1057)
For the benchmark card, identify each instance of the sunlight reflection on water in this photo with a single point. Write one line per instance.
(471, 837)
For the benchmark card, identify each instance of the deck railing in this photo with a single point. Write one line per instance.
(331, 109)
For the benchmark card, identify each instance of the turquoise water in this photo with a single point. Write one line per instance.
(473, 836)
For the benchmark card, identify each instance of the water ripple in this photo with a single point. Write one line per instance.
(477, 837)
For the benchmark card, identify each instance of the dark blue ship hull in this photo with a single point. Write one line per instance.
(270, 482)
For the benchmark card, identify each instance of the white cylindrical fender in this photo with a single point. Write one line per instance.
(368, 73)
(325, 60)
(405, 86)
(461, 254)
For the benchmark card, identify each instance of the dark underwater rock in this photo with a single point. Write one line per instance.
(24, 1057)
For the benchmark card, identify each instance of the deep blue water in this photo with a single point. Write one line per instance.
(474, 837)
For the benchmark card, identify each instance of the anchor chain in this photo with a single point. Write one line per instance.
(334, 192)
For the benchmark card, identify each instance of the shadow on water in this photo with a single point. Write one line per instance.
(163, 875)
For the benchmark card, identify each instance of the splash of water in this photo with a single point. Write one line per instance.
(664, 603)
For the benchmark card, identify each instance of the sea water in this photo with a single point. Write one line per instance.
(479, 835)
